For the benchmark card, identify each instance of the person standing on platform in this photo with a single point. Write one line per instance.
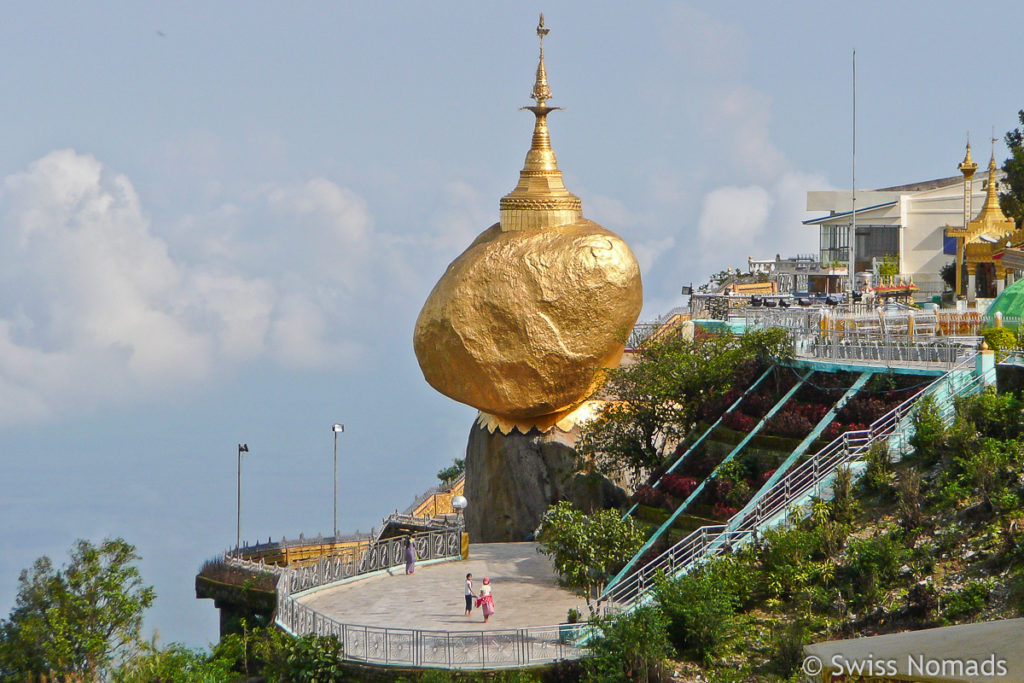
(486, 600)
(410, 555)
(470, 594)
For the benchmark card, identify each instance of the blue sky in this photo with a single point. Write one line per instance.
(218, 222)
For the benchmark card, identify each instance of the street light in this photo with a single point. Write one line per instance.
(242, 448)
(459, 503)
(337, 429)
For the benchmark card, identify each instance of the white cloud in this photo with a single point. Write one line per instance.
(462, 214)
(755, 220)
(732, 216)
(648, 252)
(96, 307)
(741, 116)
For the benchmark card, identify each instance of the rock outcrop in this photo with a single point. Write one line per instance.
(512, 479)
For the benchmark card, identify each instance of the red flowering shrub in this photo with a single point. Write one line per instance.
(699, 466)
(757, 404)
(837, 428)
(647, 495)
(739, 422)
(834, 430)
(790, 424)
(865, 409)
(765, 476)
(723, 512)
(678, 485)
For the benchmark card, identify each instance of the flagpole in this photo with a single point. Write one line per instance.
(852, 242)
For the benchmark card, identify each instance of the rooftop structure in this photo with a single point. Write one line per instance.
(908, 222)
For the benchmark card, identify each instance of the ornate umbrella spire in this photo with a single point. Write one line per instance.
(540, 200)
(541, 92)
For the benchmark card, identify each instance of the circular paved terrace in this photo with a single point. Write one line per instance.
(523, 580)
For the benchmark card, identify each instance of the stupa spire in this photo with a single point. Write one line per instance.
(540, 199)
(541, 91)
(991, 206)
(968, 166)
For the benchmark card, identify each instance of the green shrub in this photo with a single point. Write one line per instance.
(909, 501)
(993, 414)
(306, 659)
(984, 467)
(929, 430)
(998, 338)
(175, 663)
(844, 504)
(788, 649)
(786, 560)
(878, 474)
(967, 601)
(630, 646)
(870, 568)
(700, 608)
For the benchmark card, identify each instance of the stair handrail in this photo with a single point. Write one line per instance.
(845, 449)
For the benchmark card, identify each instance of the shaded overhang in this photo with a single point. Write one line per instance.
(841, 214)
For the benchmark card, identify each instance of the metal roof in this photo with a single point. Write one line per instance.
(840, 214)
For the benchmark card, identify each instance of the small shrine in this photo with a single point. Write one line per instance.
(981, 243)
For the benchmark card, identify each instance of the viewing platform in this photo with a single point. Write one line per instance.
(526, 593)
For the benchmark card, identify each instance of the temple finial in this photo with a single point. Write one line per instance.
(968, 165)
(540, 199)
(541, 92)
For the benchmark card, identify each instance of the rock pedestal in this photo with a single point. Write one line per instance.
(512, 479)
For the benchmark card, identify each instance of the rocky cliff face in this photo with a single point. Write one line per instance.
(512, 479)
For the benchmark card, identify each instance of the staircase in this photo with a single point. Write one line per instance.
(774, 502)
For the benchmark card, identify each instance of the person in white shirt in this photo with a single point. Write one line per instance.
(469, 594)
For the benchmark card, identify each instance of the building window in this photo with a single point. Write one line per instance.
(833, 246)
(877, 241)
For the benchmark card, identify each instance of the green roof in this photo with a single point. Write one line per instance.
(1010, 303)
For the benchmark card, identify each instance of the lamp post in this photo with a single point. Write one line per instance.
(337, 429)
(242, 448)
(460, 503)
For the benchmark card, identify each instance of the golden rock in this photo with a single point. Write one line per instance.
(524, 320)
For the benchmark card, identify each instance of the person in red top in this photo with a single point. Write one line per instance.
(486, 600)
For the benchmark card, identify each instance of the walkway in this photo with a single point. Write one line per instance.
(525, 593)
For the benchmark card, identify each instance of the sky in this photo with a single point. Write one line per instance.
(218, 222)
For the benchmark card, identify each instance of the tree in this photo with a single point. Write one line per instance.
(81, 620)
(587, 550)
(656, 399)
(176, 663)
(449, 474)
(948, 274)
(1012, 201)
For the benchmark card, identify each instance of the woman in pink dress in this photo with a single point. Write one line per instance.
(486, 600)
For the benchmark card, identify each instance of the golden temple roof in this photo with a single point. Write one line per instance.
(540, 199)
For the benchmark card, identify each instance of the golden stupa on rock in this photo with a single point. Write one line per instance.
(523, 322)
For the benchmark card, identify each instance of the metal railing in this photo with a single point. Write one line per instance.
(446, 649)
(812, 476)
(417, 647)
(884, 352)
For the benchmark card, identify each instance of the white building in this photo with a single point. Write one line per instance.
(907, 222)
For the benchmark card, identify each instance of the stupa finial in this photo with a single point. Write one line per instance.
(541, 91)
(540, 199)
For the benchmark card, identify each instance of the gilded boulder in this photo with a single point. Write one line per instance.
(523, 321)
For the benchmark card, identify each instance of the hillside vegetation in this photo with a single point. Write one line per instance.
(932, 540)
